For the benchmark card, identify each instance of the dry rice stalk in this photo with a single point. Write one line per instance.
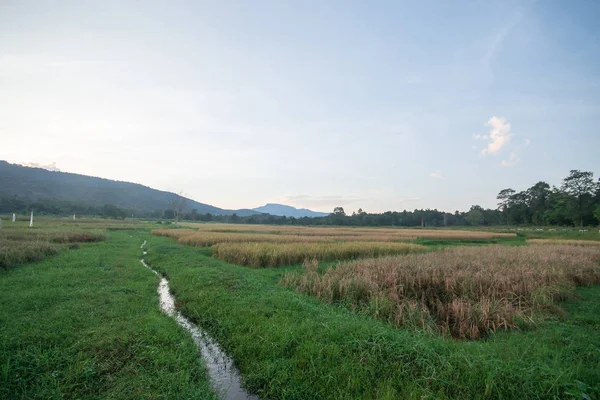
(260, 255)
(466, 292)
(565, 241)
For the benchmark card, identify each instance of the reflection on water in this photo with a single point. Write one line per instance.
(224, 376)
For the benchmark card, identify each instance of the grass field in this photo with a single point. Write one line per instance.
(83, 322)
(19, 244)
(291, 345)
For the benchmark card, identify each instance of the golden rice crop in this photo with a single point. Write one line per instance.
(260, 255)
(465, 291)
(351, 231)
(565, 241)
(173, 233)
(202, 239)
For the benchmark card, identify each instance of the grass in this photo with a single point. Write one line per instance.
(261, 255)
(20, 245)
(465, 292)
(86, 324)
(293, 346)
(60, 223)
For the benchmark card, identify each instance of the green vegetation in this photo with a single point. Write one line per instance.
(61, 193)
(84, 321)
(86, 324)
(571, 204)
(575, 203)
(290, 345)
(19, 245)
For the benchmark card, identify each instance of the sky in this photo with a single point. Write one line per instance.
(379, 105)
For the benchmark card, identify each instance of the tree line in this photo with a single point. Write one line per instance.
(576, 202)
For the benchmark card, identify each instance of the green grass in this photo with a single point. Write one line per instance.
(85, 324)
(519, 240)
(289, 345)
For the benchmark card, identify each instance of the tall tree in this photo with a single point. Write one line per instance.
(538, 197)
(475, 215)
(178, 205)
(505, 202)
(339, 211)
(580, 185)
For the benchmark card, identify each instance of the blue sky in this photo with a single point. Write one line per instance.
(380, 105)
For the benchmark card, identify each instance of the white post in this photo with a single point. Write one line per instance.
(14, 217)
(31, 219)
(73, 217)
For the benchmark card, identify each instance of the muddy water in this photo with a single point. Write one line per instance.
(224, 376)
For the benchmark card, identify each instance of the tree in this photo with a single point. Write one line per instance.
(339, 211)
(597, 213)
(580, 185)
(178, 205)
(557, 208)
(538, 197)
(505, 197)
(168, 214)
(475, 216)
(112, 211)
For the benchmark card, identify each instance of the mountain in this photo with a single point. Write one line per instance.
(288, 211)
(34, 184)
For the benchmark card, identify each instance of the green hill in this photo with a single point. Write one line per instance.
(21, 187)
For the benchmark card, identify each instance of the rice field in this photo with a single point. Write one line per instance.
(351, 231)
(310, 330)
(466, 292)
(564, 242)
(261, 246)
(20, 245)
(262, 255)
(203, 239)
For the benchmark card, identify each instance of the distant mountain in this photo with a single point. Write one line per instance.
(288, 211)
(35, 184)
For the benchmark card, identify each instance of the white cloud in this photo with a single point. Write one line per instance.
(500, 135)
(512, 160)
(482, 137)
(527, 141)
(436, 174)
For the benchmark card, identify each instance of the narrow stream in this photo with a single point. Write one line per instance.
(224, 376)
